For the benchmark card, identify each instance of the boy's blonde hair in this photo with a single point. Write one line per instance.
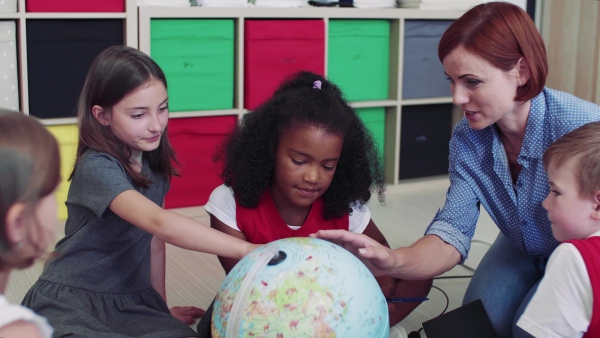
(582, 145)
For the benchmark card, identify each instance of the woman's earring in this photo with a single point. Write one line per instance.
(520, 83)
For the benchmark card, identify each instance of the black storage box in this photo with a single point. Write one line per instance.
(425, 134)
(59, 55)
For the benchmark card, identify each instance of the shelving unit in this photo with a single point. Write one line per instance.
(394, 102)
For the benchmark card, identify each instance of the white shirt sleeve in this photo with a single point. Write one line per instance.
(562, 304)
(359, 219)
(11, 313)
(221, 204)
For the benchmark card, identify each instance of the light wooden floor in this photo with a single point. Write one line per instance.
(194, 278)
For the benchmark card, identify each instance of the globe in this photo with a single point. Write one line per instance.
(300, 287)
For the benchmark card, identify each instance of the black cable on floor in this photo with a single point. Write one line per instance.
(417, 334)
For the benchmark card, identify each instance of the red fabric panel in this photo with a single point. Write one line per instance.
(264, 224)
(75, 5)
(590, 251)
(275, 49)
(195, 141)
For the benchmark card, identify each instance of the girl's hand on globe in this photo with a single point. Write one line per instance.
(187, 314)
(252, 247)
(378, 258)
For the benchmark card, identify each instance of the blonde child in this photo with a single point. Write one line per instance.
(567, 301)
(29, 175)
(107, 278)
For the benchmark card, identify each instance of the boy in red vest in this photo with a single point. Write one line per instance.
(567, 301)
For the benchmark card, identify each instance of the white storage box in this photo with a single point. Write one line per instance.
(8, 6)
(9, 83)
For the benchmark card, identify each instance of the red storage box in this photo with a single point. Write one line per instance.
(75, 5)
(195, 141)
(274, 49)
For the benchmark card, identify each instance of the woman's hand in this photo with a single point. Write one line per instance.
(428, 257)
(187, 314)
(379, 259)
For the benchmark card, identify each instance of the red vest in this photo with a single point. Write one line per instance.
(263, 224)
(590, 251)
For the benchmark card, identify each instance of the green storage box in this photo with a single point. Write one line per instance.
(374, 120)
(197, 56)
(358, 58)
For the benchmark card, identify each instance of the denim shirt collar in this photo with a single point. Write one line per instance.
(532, 147)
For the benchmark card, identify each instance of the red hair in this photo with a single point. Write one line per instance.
(501, 33)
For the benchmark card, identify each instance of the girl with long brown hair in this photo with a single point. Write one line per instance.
(107, 277)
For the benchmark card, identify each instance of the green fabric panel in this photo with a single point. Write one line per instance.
(374, 120)
(197, 56)
(358, 58)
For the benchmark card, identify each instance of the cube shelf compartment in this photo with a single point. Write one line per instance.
(196, 140)
(423, 73)
(60, 52)
(362, 46)
(426, 131)
(197, 57)
(275, 49)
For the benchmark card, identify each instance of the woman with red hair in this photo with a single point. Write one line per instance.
(495, 60)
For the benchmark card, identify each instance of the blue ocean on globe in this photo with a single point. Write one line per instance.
(300, 287)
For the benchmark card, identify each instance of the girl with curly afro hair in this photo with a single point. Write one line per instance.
(301, 162)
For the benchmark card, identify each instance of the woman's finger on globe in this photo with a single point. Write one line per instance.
(356, 240)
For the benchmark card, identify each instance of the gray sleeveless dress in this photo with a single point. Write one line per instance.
(98, 282)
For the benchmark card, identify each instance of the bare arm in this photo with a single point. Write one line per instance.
(20, 328)
(158, 266)
(226, 263)
(426, 258)
(176, 229)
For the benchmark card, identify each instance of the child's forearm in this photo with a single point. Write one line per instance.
(158, 266)
(176, 229)
(190, 234)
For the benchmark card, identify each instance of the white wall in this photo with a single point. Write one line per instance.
(520, 3)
